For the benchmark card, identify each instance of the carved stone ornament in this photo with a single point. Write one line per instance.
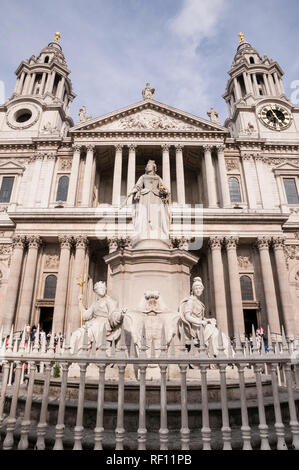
(81, 242)
(65, 164)
(65, 241)
(18, 241)
(5, 250)
(263, 243)
(153, 121)
(34, 241)
(244, 262)
(232, 164)
(215, 243)
(152, 304)
(52, 261)
(231, 242)
(278, 243)
(290, 252)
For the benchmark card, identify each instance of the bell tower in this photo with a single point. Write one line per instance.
(255, 97)
(40, 104)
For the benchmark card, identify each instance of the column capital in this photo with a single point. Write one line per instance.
(34, 241)
(90, 147)
(263, 242)
(132, 147)
(278, 243)
(65, 241)
(208, 147)
(113, 244)
(38, 156)
(81, 242)
(215, 243)
(119, 147)
(18, 241)
(51, 155)
(179, 147)
(77, 147)
(231, 242)
(166, 147)
(220, 147)
(246, 156)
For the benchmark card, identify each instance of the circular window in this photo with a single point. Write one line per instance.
(23, 115)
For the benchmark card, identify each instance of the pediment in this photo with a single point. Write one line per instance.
(149, 116)
(11, 166)
(286, 166)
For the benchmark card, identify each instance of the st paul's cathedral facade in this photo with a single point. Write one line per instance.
(234, 195)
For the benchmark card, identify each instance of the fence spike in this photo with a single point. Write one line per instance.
(172, 348)
(284, 341)
(122, 343)
(23, 339)
(211, 350)
(113, 349)
(221, 352)
(163, 344)
(94, 349)
(247, 348)
(254, 342)
(102, 343)
(143, 345)
(202, 346)
(84, 348)
(28, 345)
(44, 345)
(132, 349)
(153, 349)
(270, 342)
(263, 352)
(76, 347)
(239, 350)
(230, 350)
(192, 348)
(10, 340)
(15, 346)
(36, 341)
(51, 348)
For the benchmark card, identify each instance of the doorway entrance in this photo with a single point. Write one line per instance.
(46, 319)
(250, 318)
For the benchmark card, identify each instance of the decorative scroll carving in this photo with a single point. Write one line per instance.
(81, 242)
(231, 242)
(263, 242)
(216, 243)
(65, 241)
(278, 243)
(34, 241)
(18, 241)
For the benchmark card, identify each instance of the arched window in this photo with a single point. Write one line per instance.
(246, 288)
(50, 287)
(234, 189)
(47, 59)
(62, 190)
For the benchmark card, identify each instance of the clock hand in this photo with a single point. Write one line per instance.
(275, 115)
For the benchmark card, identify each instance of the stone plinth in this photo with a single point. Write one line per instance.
(159, 268)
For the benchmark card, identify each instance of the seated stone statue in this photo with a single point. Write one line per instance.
(103, 312)
(192, 318)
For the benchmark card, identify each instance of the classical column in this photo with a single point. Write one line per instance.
(30, 90)
(42, 85)
(87, 181)
(285, 296)
(62, 283)
(266, 84)
(81, 243)
(166, 166)
(180, 177)
(72, 192)
(255, 85)
(18, 243)
(247, 162)
(223, 177)
(51, 158)
(210, 176)
(219, 287)
(34, 242)
(235, 285)
(237, 89)
(131, 178)
(263, 244)
(117, 175)
(38, 161)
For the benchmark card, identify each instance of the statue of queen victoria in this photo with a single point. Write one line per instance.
(103, 312)
(151, 216)
(192, 318)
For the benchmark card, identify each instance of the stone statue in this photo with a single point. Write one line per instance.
(213, 115)
(103, 312)
(192, 318)
(82, 114)
(151, 217)
(148, 93)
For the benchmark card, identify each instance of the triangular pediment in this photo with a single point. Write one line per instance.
(13, 166)
(286, 166)
(149, 116)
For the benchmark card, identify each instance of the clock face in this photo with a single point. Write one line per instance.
(275, 117)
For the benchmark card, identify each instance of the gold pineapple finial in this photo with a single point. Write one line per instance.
(57, 37)
(242, 37)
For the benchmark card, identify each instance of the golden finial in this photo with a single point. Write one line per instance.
(242, 37)
(57, 37)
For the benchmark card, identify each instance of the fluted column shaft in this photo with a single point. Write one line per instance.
(51, 157)
(166, 166)
(285, 296)
(223, 177)
(87, 181)
(62, 284)
(117, 175)
(180, 177)
(34, 242)
(235, 285)
(72, 192)
(13, 282)
(81, 243)
(219, 287)
(38, 161)
(269, 287)
(211, 186)
(131, 178)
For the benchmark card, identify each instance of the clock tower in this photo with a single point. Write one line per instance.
(257, 105)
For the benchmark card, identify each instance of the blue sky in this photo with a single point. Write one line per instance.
(184, 48)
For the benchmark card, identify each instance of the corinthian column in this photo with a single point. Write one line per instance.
(263, 244)
(131, 168)
(62, 283)
(87, 183)
(223, 176)
(117, 175)
(34, 242)
(81, 243)
(210, 175)
(285, 296)
(235, 285)
(18, 243)
(72, 192)
(180, 177)
(219, 287)
(166, 166)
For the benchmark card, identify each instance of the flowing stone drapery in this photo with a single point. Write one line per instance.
(235, 285)
(34, 243)
(263, 244)
(18, 243)
(87, 181)
(62, 283)
(72, 192)
(219, 287)
(285, 296)
(81, 243)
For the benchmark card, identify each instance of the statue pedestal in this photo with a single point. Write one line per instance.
(151, 265)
